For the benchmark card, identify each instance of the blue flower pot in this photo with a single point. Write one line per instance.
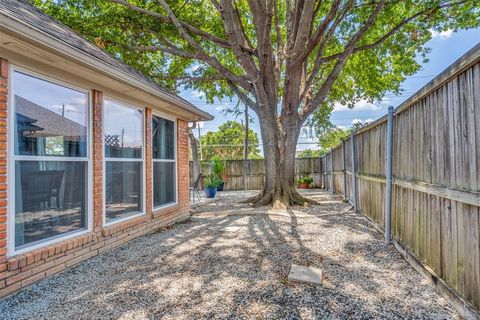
(220, 187)
(210, 192)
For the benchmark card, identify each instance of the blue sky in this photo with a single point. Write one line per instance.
(446, 48)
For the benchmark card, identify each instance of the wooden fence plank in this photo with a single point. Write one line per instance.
(436, 176)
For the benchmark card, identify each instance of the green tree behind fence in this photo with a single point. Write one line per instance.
(228, 142)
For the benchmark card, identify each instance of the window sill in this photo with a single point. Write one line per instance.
(164, 210)
(51, 248)
(124, 224)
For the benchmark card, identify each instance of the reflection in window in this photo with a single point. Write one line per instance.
(50, 120)
(163, 137)
(123, 140)
(164, 183)
(123, 131)
(123, 189)
(164, 166)
(50, 199)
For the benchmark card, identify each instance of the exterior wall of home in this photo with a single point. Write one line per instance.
(17, 272)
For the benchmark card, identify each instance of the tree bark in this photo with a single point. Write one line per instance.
(194, 148)
(279, 146)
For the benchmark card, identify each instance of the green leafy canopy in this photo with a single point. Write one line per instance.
(285, 51)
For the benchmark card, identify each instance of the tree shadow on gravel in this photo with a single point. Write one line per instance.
(198, 270)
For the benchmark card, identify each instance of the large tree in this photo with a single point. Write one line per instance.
(284, 59)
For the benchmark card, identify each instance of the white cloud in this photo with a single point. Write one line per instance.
(354, 121)
(360, 105)
(385, 100)
(442, 34)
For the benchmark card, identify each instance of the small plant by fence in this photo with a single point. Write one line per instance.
(435, 198)
(256, 172)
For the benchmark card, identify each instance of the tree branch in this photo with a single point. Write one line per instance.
(342, 60)
(205, 35)
(392, 31)
(234, 29)
(314, 40)
(170, 49)
(193, 78)
(318, 59)
(243, 97)
(280, 49)
(211, 60)
(305, 20)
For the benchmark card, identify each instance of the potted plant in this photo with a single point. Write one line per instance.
(210, 185)
(218, 167)
(304, 182)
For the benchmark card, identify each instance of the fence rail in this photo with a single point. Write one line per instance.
(435, 206)
(256, 172)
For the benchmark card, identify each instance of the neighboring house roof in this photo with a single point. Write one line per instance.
(42, 122)
(34, 18)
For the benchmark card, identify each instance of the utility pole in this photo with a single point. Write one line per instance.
(245, 150)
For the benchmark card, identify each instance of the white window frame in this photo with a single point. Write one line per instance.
(125, 104)
(170, 118)
(11, 158)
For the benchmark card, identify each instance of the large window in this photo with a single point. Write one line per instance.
(123, 140)
(164, 164)
(50, 160)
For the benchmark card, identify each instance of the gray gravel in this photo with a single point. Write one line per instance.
(194, 270)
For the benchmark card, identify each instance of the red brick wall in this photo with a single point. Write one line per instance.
(97, 152)
(20, 271)
(3, 168)
(183, 161)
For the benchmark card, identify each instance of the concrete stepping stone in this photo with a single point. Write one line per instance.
(307, 275)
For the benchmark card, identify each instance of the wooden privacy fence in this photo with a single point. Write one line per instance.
(435, 195)
(256, 172)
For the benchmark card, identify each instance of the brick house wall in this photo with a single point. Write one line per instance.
(22, 270)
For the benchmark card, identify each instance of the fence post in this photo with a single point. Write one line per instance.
(354, 173)
(250, 173)
(344, 171)
(332, 176)
(388, 173)
(324, 172)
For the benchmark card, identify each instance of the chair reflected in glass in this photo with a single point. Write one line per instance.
(41, 187)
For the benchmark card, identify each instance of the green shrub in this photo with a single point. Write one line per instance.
(305, 179)
(212, 181)
(218, 166)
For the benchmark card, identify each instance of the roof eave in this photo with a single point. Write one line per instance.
(43, 39)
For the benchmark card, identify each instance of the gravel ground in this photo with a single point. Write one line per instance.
(194, 270)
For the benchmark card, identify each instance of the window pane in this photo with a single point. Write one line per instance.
(163, 138)
(123, 131)
(123, 189)
(50, 120)
(50, 199)
(163, 183)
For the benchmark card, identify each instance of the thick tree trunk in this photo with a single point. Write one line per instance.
(279, 146)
